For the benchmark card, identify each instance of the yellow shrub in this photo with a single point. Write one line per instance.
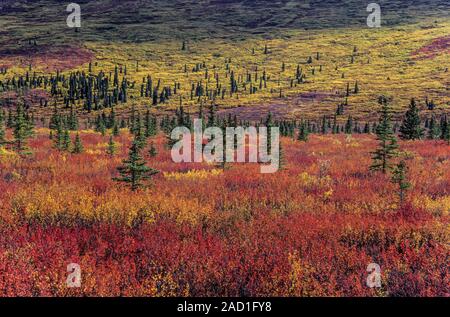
(193, 174)
(440, 206)
(7, 156)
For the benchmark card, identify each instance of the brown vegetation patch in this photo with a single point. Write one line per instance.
(431, 50)
(290, 107)
(30, 97)
(47, 58)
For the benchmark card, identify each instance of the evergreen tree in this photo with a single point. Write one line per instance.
(10, 121)
(78, 146)
(387, 148)
(411, 127)
(324, 125)
(445, 129)
(66, 140)
(150, 125)
(112, 147)
(433, 130)
(447, 134)
(115, 130)
(101, 126)
(303, 132)
(349, 125)
(2, 128)
(59, 140)
(281, 159)
(212, 116)
(399, 178)
(153, 152)
(134, 171)
(22, 129)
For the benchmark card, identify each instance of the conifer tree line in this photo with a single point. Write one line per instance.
(96, 89)
(21, 124)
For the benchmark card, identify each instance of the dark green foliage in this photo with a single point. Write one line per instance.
(10, 121)
(434, 130)
(115, 130)
(134, 171)
(59, 138)
(445, 129)
(112, 147)
(78, 146)
(153, 152)
(2, 128)
(349, 125)
(399, 178)
(387, 148)
(281, 159)
(411, 128)
(303, 132)
(22, 129)
(150, 125)
(66, 140)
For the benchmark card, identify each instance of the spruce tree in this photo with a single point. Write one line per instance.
(66, 140)
(2, 128)
(433, 130)
(78, 146)
(101, 126)
(153, 152)
(112, 147)
(115, 130)
(411, 128)
(387, 148)
(447, 134)
(399, 178)
(150, 126)
(22, 129)
(281, 159)
(10, 121)
(303, 132)
(134, 171)
(349, 125)
(59, 139)
(445, 129)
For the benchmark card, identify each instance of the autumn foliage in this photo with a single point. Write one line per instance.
(309, 230)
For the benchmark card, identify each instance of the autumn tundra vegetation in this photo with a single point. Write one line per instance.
(87, 176)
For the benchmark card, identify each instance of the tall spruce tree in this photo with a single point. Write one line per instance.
(411, 128)
(78, 146)
(134, 171)
(112, 147)
(59, 139)
(446, 134)
(387, 148)
(22, 129)
(445, 129)
(2, 128)
(399, 178)
(434, 130)
(152, 151)
(66, 140)
(281, 158)
(303, 132)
